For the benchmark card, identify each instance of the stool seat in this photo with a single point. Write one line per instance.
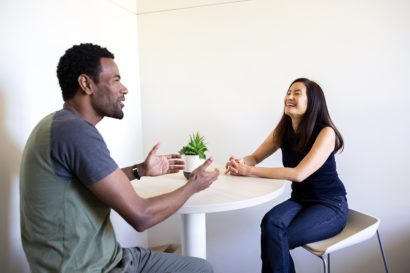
(359, 227)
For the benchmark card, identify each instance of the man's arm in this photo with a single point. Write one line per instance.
(155, 165)
(116, 191)
(130, 175)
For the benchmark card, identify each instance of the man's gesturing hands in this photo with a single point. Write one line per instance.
(200, 178)
(155, 165)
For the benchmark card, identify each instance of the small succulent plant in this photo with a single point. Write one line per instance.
(196, 146)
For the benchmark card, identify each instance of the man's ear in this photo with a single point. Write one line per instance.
(86, 84)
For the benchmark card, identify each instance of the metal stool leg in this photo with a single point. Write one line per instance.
(324, 264)
(328, 262)
(382, 250)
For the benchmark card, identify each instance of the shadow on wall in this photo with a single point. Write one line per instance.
(10, 156)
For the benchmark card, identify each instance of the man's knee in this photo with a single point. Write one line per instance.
(203, 266)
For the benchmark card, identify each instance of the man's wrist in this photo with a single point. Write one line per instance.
(138, 170)
(190, 186)
(141, 169)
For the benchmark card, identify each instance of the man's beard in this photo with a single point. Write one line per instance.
(117, 114)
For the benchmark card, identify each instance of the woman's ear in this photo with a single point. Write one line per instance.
(86, 84)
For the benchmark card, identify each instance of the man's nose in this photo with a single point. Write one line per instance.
(124, 90)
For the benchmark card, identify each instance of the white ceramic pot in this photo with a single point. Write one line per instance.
(192, 162)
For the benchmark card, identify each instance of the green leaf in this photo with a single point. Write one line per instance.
(195, 146)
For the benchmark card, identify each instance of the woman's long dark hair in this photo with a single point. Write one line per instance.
(316, 112)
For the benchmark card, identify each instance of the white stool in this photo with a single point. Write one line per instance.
(359, 227)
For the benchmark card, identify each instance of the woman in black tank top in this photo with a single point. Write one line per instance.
(318, 207)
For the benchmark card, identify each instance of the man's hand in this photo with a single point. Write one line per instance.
(155, 165)
(200, 178)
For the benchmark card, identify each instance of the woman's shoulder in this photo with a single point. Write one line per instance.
(320, 126)
(324, 129)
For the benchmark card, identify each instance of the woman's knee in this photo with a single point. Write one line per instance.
(271, 221)
(281, 215)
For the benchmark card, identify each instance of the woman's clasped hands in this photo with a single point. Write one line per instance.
(236, 166)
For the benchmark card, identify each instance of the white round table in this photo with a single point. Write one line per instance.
(225, 194)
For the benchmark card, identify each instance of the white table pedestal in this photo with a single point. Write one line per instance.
(226, 194)
(193, 235)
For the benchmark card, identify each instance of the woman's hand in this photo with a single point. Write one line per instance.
(236, 166)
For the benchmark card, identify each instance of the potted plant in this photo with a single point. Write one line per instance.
(194, 153)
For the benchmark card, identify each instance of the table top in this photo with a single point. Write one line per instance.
(226, 193)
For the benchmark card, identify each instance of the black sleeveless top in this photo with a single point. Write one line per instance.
(323, 183)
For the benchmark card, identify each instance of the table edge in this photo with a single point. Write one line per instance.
(232, 205)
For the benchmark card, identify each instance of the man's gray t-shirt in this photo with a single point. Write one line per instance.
(64, 226)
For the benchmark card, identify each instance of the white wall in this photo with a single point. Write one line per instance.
(34, 34)
(224, 70)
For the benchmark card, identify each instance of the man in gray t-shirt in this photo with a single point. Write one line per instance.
(69, 182)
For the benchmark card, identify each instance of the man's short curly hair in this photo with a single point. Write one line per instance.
(80, 59)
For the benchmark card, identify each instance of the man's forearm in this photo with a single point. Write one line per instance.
(159, 208)
(128, 171)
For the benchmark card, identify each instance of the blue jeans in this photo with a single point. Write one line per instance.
(294, 223)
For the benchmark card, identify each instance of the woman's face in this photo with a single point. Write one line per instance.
(296, 101)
